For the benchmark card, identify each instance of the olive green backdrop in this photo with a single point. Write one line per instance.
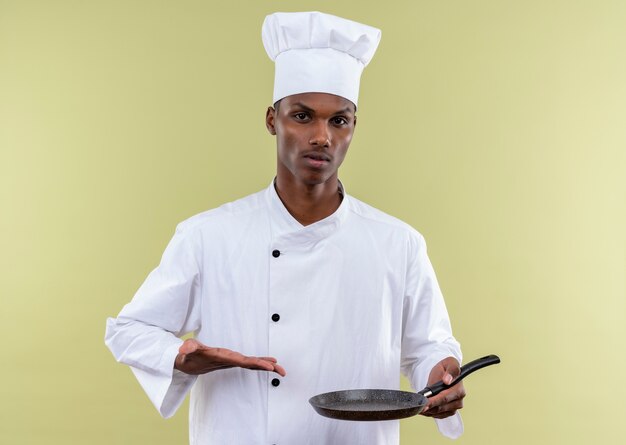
(496, 128)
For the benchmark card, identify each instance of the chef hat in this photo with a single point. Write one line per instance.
(317, 52)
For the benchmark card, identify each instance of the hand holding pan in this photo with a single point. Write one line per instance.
(387, 404)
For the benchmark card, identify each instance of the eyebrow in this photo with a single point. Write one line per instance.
(311, 110)
(301, 105)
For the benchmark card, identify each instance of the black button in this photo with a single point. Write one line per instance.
(275, 317)
(276, 253)
(275, 382)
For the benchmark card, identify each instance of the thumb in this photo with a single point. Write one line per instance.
(452, 371)
(189, 346)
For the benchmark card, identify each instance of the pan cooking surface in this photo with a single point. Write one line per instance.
(368, 404)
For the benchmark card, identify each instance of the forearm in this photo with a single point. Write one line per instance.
(140, 345)
(150, 352)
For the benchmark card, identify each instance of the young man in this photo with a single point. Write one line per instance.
(301, 280)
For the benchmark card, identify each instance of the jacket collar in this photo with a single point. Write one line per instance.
(287, 229)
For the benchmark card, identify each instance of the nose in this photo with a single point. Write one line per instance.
(320, 136)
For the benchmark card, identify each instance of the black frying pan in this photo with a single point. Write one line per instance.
(387, 404)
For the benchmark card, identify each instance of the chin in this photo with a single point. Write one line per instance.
(316, 177)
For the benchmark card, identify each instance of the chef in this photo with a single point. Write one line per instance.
(298, 289)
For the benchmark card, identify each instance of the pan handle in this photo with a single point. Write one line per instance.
(466, 370)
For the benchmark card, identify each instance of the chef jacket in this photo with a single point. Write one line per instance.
(344, 303)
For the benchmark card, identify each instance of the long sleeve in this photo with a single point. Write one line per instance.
(427, 334)
(145, 334)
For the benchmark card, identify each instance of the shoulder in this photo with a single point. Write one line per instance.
(394, 233)
(376, 218)
(227, 215)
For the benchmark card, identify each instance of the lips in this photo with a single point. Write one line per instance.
(317, 160)
(317, 156)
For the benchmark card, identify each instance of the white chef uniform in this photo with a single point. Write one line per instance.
(343, 303)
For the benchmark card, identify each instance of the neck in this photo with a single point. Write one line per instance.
(309, 203)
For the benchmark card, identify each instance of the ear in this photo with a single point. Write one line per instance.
(355, 120)
(269, 120)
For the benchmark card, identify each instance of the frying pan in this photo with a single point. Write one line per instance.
(387, 404)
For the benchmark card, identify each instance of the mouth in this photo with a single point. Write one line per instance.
(317, 156)
(317, 160)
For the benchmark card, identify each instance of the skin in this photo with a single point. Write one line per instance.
(195, 358)
(313, 132)
(447, 402)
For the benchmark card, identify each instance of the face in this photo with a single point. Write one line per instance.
(313, 132)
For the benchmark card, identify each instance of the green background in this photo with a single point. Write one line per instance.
(496, 128)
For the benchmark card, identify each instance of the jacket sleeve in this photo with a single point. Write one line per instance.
(426, 332)
(145, 334)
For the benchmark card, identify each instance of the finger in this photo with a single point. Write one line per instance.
(443, 411)
(263, 365)
(446, 397)
(447, 410)
(280, 370)
(275, 366)
(446, 403)
(222, 358)
(256, 363)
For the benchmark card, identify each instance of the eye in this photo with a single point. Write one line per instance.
(301, 116)
(339, 120)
